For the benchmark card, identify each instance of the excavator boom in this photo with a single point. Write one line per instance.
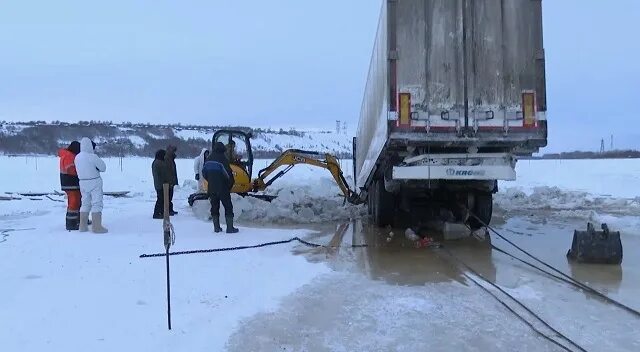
(292, 157)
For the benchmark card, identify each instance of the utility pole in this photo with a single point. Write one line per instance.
(337, 126)
(612, 142)
(169, 239)
(121, 145)
(602, 145)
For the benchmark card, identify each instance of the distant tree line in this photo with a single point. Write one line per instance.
(614, 154)
(113, 140)
(178, 126)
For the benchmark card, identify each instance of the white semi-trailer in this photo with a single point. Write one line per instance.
(455, 93)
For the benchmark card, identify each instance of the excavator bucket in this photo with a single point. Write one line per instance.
(596, 247)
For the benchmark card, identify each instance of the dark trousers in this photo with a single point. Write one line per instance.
(171, 198)
(159, 208)
(216, 199)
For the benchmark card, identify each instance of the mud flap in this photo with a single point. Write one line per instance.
(596, 247)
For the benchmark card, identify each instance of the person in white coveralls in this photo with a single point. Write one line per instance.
(198, 163)
(89, 166)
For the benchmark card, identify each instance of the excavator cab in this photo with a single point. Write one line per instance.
(240, 155)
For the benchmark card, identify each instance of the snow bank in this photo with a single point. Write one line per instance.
(621, 214)
(593, 190)
(318, 200)
(563, 201)
(612, 177)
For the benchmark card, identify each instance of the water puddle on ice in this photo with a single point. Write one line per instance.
(389, 293)
(390, 257)
(393, 259)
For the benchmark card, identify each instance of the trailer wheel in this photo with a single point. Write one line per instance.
(383, 205)
(482, 208)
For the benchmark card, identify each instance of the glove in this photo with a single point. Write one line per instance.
(197, 177)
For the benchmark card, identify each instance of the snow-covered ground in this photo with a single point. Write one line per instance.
(596, 190)
(66, 291)
(618, 178)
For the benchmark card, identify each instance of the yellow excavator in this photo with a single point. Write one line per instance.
(240, 157)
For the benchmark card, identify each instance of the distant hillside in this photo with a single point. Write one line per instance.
(612, 154)
(128, 139)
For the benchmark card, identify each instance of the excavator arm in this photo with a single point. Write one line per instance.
(293, 157)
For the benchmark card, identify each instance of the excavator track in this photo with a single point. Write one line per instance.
(203, 196)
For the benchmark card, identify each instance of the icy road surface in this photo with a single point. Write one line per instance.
(393, 297)
(66, 291)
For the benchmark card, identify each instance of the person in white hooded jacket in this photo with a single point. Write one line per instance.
(89, 166)
(198, 163)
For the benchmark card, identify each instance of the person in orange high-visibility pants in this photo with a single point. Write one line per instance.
(70, 184)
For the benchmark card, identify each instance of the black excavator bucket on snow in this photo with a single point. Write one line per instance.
(596, 247)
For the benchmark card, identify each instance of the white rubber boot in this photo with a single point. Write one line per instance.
(96, 226)
(84, 222)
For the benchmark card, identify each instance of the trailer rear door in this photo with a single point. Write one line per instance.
(470, 65)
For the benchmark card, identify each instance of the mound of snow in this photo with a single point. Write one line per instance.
(317, 201)
(564, 202)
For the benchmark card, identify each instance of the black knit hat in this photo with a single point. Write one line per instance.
(74, 147)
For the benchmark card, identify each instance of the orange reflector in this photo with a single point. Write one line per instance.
(404, 116)
(529, 108)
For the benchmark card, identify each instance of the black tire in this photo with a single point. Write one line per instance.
(483, 209)
(383, 205)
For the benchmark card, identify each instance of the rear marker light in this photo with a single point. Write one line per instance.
(529, 108)
(404, 116)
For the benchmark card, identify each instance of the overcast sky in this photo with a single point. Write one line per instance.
(280, 63)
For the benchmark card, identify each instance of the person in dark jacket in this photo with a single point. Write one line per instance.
(159, 171)
(172, 174)
(70, 184)
(219, 176)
